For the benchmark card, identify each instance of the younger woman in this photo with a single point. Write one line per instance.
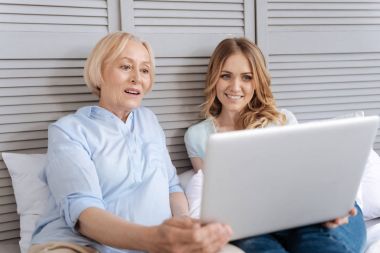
(238, 96)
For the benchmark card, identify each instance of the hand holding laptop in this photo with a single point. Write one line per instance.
(341, 221)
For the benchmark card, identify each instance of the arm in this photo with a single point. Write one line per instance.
(174, 235)
(109, 229)
(197, 163)
(179, 204)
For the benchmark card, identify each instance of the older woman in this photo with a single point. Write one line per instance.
(113, 186)
(238, 96)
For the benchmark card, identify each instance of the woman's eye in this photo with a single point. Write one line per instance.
(126, 67)
(225, 77)
(145, 71)
(247, 78)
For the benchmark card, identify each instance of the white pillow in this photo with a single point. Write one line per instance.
(369, 192)
(31, 192)
(193, 191)
(368, 197)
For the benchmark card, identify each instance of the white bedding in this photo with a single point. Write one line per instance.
(373, 236)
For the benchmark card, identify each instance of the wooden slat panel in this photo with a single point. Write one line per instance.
(8, 217)
(326, 79)
(188, 14)
(4, 191)
(40, 81)
(178, 86)
(52, 20)
(188, 22)
(177, 148)
(175, 133)
(12, 225)
(40, 72)
(325, 86)
(31, 135)
(66, 3)
(9, 208)
(200, 29)
(52, 10)
(52, 28)
(14, 128)
(18, 109)
(349, 107)
(329, 100)
(173, 101)
(180, 78)
(328, 6)
(31, 117)
(21, 145)
(180, 124)
(174, 94)
(47, 99)
(347, 93)
(175, 109)
(4, 173)
(9, 234)
(40, 63)
(10, 199)
(5, 182)
(22, 91)
(167, 5)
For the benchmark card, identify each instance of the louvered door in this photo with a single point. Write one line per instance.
(183, 34)
(324, 56)
(43, 46)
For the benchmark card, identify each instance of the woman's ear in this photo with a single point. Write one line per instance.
(98, 89)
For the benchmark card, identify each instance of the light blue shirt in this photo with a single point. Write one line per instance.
(97, 160)
(197, 135)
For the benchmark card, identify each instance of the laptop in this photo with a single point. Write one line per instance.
(265, 180)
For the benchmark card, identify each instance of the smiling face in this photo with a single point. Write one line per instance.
(126, 80)
(235, 86)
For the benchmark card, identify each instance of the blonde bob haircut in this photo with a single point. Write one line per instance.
(261, 110)
(107, 50)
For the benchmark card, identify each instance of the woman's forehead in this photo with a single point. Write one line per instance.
(135, 51)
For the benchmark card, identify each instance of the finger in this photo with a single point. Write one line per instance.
(353, 211)
(330, 225)
(215, 231)
(179, 222)
(218, 243)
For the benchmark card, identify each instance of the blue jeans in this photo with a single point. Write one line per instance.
(348, 238)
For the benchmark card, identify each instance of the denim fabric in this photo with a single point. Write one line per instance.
(349, 238)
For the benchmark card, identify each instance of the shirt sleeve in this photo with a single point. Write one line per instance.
(174, 183)
(71, 176)
(191, 138)
(290, 117)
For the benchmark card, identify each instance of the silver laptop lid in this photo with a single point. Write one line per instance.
(266, 180)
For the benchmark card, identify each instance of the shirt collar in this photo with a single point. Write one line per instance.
(104, 114)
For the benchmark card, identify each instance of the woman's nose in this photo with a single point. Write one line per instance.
(135, 76)
(235, 84)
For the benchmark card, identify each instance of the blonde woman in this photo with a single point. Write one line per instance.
(113, 186)
(238, 96)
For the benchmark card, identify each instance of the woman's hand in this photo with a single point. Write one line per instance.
(183, 234)
(340, 221)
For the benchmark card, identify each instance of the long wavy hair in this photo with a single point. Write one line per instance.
(261, 110)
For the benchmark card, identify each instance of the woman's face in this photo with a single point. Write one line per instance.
(126, 80)
(235, 87)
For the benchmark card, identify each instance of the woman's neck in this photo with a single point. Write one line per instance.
(227, 122)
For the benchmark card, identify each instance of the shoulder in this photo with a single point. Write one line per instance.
(144, 114)
(72, 120)
(197, 129)
(290, 117)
